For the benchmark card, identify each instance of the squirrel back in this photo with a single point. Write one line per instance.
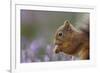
(71, 41)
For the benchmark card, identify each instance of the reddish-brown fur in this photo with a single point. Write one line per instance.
(71, 41)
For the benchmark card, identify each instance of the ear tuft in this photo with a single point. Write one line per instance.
(67, 25)
(67, 22)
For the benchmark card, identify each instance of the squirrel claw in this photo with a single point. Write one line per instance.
(56, 49)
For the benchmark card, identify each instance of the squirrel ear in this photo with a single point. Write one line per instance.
(67, 25)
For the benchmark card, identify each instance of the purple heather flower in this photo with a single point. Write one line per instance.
(46, 58)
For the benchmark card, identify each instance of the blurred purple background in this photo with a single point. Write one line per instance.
(37, 34)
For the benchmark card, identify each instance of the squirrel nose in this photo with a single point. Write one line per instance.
(57, 42)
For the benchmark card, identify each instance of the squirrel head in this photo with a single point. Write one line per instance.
(62, 38)
(63, 32)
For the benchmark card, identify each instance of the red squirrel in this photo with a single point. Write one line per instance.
(71, 41)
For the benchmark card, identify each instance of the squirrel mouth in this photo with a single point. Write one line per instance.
(58, 46)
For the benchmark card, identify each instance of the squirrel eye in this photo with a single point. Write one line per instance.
(60, 34)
